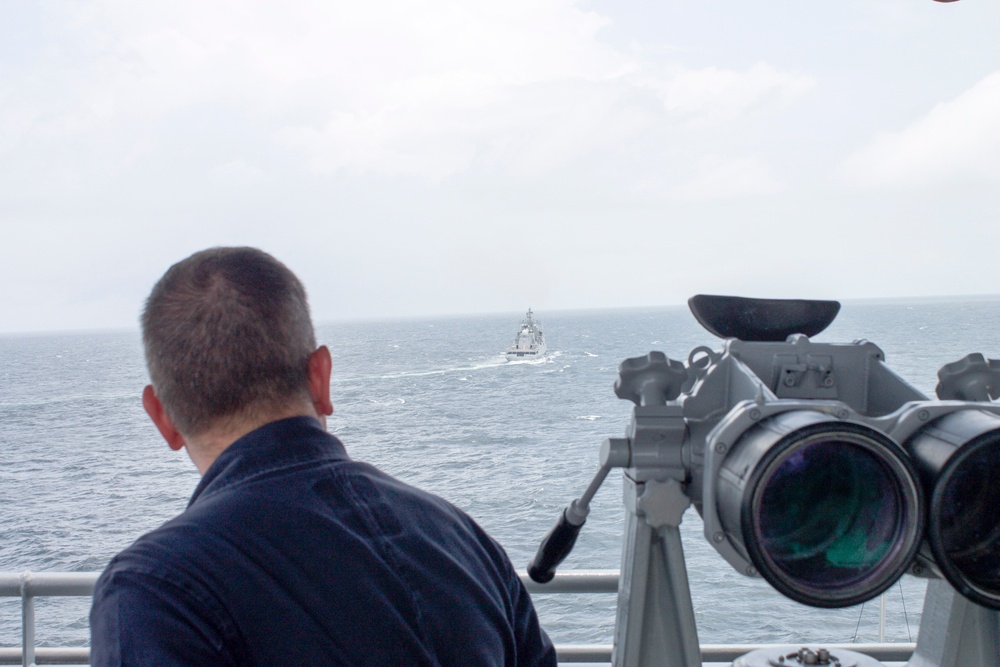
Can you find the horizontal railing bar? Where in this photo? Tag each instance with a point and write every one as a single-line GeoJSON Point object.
{"type": "Point", "coordinates": [729, 652]}
{"type": "Point", "coordinates": [47, 656]}
{"type": "Point", "coordinates": [576, 581]}
{"type": "Point", "coordinates": [82, 583]}
{"type": "Point", "coordinates": [567, 653]}
{"type": "Point", "coordinates": [583, 653]}
{"type": "Point", "coordinates": [41, 584]}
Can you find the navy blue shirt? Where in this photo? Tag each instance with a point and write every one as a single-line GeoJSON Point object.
{"type": "Point", "coordinates": [289, 553]}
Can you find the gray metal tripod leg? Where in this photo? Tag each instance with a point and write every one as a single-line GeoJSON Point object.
{"type": "Point", "coordinates": [655, 621]}
{"type": "Point", "coordinates": [955, 632]}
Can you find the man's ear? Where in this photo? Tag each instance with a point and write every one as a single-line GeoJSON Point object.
{"type": "Point", "coordinates": [320, 367]}
{"type": "Point", "coordinates": [151, 402]}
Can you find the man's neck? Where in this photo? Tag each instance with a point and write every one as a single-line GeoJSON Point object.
{"type": "Point", "coordinates": [207, 446]}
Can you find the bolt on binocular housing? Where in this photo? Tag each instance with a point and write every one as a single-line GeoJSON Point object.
{"type": "Point", "coordinates": [813, 465]}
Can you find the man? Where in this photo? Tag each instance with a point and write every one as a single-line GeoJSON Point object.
{"type": "Point", "coordinates": [289, 553]}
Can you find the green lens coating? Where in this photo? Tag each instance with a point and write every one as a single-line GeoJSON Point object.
{"type": "Point", "coordinates": [829, 513]}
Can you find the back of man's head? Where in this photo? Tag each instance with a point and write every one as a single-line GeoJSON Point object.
{"type": "Point", "coordinates": [227, 336]}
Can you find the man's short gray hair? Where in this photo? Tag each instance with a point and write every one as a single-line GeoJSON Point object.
{"type": "Point", "coordinates": [227, 334]}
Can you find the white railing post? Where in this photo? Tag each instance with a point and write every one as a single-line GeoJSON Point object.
{"type": "Point", "coordinates": [27, 622]}
{"type": "Point", "coordinates": [881, 619]}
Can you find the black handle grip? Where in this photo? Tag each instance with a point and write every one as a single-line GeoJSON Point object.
{"type": "Point", "coordinates": [553, 550]}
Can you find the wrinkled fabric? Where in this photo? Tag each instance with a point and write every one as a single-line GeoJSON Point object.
{"type": "Point", "coordinates": [291, 553]}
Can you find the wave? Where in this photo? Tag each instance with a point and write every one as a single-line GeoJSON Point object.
{"type": "Point", "coordinates": [465, 368]}
{"type": "Point", "coordinates": [547, 358]}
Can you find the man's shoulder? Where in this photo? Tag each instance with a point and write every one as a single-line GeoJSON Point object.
{"type": "Point", "coordinates": [332, 507]}
{"type": "Point", "coordinates": [374, 487]}
{"type": "Point", "coordinates": [156, 554]}
{"type": "Point", "coordinates": [424, 513]}
{"type": "Point", "coordinates": [150, 606]}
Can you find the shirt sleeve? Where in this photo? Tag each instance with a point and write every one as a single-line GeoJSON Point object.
{"type": "Point", "coordinates": [139, 619]}
{"type": "Point", "coordinates": [534, 648]}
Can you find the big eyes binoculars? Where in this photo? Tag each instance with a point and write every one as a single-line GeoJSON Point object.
{"type": "Point", "coordinates": [812, 465]}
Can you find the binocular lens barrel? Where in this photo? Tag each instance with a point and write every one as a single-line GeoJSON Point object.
{"type": "Point", "coordinates": [959, 460]}
{"type": "Point", "coordinates": [829, 512]}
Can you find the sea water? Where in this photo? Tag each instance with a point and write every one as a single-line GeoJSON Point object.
{"type": "Point", "coordinates": [435, 403]}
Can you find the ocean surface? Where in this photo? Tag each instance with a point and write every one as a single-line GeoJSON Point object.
{"type": "Point", "coordinates": [434, 402]}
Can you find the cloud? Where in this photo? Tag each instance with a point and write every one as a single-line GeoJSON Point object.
{"type": "Point", "coordinates": [720, 94]}
{"type": "Point", "coordinates": [235, 173]}
{"type": "Point", "coordinates": [390, 88]}
{"type": "Point", "coordinates": [726, 178]}
{"type": "Point", "coordinates": [956, 141]}
{"type": "Point", "coordinates": [372, 143]}
{"type": "Point", "coordinates": [527, 132]}
{"type": "Point", "coordinates": [540, 120]}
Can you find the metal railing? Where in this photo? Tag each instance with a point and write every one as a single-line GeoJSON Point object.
{"type": "Point", "coordinates": [31, 585]}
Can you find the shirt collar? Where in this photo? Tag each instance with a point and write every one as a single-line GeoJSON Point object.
{"type": "Point", "coordinates": [272, 446]}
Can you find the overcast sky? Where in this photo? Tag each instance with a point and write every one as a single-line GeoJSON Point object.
{"type": "Point", "coordinates": [449, 157]}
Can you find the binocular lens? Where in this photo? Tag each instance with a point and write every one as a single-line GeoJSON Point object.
{"type": "Point", "coordinates": [965, 521]}
{"type": "Point", "coordinates": [830, 512]}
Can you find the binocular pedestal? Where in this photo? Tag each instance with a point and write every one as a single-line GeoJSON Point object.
{"type": "Point", "coordinates": [655, 620]}
{"type": "Point", "coordinates": [955, 632]}
{"type": "Point", "coordinates": [655, 624]}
